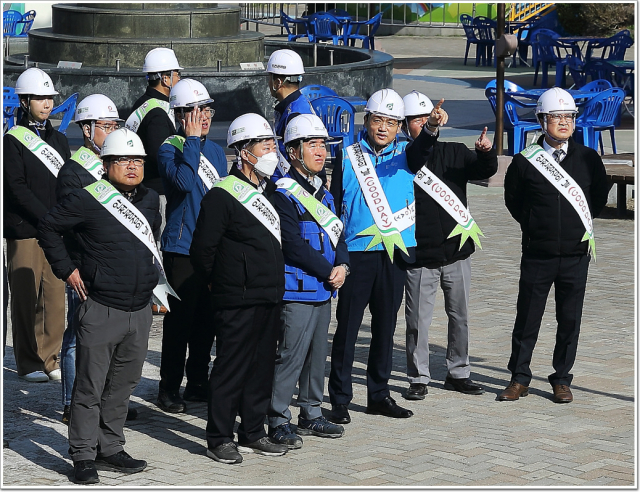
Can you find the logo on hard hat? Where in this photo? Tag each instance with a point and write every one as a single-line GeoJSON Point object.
{"type": "Point", "coordinates": [423, 104]}
{"type": "Point", "coordinates": [82, 110]}
{"type": "Point", "coordinates": [561, 102]}
{"type": "Point", "coordinates": [110, 108]}
{"type": "Point", "coordinates": [266, 126]}
{"type": "Point", "coordinates": [130, 143]}
{"type": "Point", "coordinates": [274, 65]}
{"type": "Point", "coordinates": [390, 106]}
{"type": "Point", "coordinates": [237, 130]}
{"type": "Point", "coordinates": [46, 84]}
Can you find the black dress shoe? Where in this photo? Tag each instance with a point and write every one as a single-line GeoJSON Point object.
{"type": "Point", "coordinates": [339, 414]}
{"type": "Point", "coordinates": [196, 392]}
{"type": "Point", "coordinates": [465, 386]}
{"type": "Point", "coordinates": [120, 462]}
{"type": "Point", "coordinates": [416, 391]}
{"type": "Point", "coordinates": [389, 408]}
{"type": "Point", "coordinates": [170, 402]}
{"type": "Point", "coordinates": [84, 472]}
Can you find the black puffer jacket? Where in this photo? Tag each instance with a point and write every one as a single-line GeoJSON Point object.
{"type": "Point", "coordinates": [29, 186]}
{"type": "Point", "coordinates": [154, 129]}
{"type": "Point", "coordinates": [455, 164]}
{"type": "Point", "coordinates": [116, 267]}
{"type": "Point", "coordinates": [235, 253]}
{"type": "Point", "coordinates": [550, 225]}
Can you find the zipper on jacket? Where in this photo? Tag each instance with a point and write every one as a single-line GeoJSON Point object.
{"type": "Point", "coordinates": [184, 210]}
{"type": "Point", "coordinates": [246, 274]}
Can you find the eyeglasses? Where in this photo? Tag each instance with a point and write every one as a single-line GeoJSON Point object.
{"type": "Point", "coordinates": [557, 117]}
{"type": "Point", "coordinates": [379, 122]}
{"type": "Point", "coordinates": [125, 161]}
{"type": "Point", "coordinates": [208, 112]}
{"type": "Point", "coordinates": [108, 128]}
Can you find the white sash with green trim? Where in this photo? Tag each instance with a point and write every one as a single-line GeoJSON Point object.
{"type": "Point", "coordinates": [129, 216]}
{"type": "Point", "coordinates": [449, 201]}
{"type": "Point", "coordinates": [387, 227]}
{"type": "Point", "coordinates": [89, 161]}
{"type": "Point", "coordinates": [206, 171]}
{"type": "Point", "coordinates": [41, 149]}
{"type": "Point", "coordinates": [320, 213]}
{"type": "Point", "coordinates": [133, 122]}
{"type": "Point", "coordinates": [567, 187]}
{"type": "Point", "coordinates": [254, 201]}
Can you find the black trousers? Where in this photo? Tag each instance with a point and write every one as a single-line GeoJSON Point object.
{"type": "Point", "coordinates": [242, 375]}
{"type": "Point", "coordinates": [189, 322]}
{"type": "Point", "coordinates": [569, 276]}
{"type": "Point", "coordinates": [377, 282]}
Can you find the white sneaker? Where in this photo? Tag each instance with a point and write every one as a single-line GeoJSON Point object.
{"type": "Point", "coordinates": [55, 375]}
{"type": "Point", "coordinates": [35, 377]}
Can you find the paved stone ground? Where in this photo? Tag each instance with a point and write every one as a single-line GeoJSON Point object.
{"type": "Point", "coordinates": [453, 439]}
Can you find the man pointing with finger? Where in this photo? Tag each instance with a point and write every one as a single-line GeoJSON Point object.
{"type": "Point", "coordinates": [445, 236]}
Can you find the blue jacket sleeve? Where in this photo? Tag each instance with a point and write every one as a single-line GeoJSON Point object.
{"type": "Point", "coordinates": [180, 169]}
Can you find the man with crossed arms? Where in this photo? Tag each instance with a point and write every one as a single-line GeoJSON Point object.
{"type": "Point", "coordinates": [553, 188]}
{"type": "Point", "coordinates": [445, 236]}
{"type": "Point", "coordinates": [373, 191]}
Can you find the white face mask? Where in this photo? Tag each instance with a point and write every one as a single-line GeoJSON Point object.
{"type": "Point", "coordinates": [266, 164]}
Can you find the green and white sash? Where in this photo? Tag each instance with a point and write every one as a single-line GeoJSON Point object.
{"type": "Point", "coordinates": [567, 187]}
{"type": "Point", "coordinates": [254, 201]}
{"type": "Point", "coordinates": [133, 122]}
{"type": "Point", "coordinates": [206, 171]}
{"type": "Point", "coordinates": [320, 213]}
{"type": "Point", "coordinates": [89, 161]}
{"type": "Point", "coordinates": [129, 216]}
{"type": "Point", "coordinates": [388, 226]}
{"type": "Point", "coordinates": [41, 149]}
{"type": "Point", "coordinates": [449, 201]}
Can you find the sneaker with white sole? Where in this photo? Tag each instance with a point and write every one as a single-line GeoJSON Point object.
{"type": "Point", "coordinates": [35, 377]}
{"type": "Point", "coordinates": [264, 446]}
{"type": "Point", "coordinates": [55, 375]}
{"type": "Point", "coordinates": [284, 434]}
{"type": "Point", "coordinates": [225, 453]}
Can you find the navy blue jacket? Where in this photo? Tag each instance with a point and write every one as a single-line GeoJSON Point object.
{"type": "Point", "coordinates": [291, 106]}
{"type": "Point", "coordinates": [184, 188]}
{"type": "Point", "coordinates": [308, 253]}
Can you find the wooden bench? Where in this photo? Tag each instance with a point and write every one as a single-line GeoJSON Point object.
{"type": "Point", "coordinates": [620, 175]}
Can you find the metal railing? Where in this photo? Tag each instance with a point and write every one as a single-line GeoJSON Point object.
{"type": "Point", "coordinates": [524, 11]}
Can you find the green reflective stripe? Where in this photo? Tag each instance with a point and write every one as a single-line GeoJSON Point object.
{"type": "Point", "coordinates": [86, 159]}
{"type": "Point", "coordinates": [45, 153]}
{"type": "Point", "coordinates": [102, 190]}
{"type": "Point", "coordinates": [321, 214]}
{"type": "Point", "coordinates": [29, 139]}
{"type": "Point", "coordinates": [177, 141]}
{"type": "Point", "coordinates": [147, 106]}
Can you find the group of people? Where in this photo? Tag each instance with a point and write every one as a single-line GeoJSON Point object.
{"type": "Point", "coordinates": [253, 254]}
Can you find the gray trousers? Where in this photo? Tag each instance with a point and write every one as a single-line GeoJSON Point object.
{"type": "Point", "coordinates": [111, 347]}
{"type": "Point", "coordinates": [421, 288]}
{"type": "Point", "coordinates": [302, 353]}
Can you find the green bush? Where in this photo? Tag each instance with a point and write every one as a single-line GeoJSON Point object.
{"type": "Point", "coordinates": [595, 19]}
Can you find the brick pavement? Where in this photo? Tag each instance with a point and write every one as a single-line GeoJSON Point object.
{"type": "Point", "coordinates": [453, 439]}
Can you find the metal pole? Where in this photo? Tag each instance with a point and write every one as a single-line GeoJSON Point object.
{"type": "Point", "coordinates": [331, 57]}
{"type": "Point", "coordinates": [117, 64]}
{"type": "Point", "coordinates": [219, 65]}
{"type": "Point", "coordinates": [315, 54]}
{"type": "Point", "coordinates": [499, 84]}
{"type": "Point", "coordinates": [26, 61]}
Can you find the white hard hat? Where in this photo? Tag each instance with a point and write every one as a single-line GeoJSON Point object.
{"type": "Point", "coordinates": [416, 104]}
{"type": "Point", "coordinates": [35, 82]}
{"type": "Point", "coordinates": [96, 107]}
{"type": "Point", "coordinates": [188, 93]}
{"type": "Point", "coordinates": [247, 127]}
{"type": "Point", "coordinates": [386, 102]}
{"type": "Point", "coordinates": [305, 126]}
{"type": "Point", "coordinates": [285, 62]}
{"type": "Point", "coordinates": [160, 60]}
{"type": "Point", "coordinates": [122, 142]}
{"type": "Point", "coordinates": [556, 100]}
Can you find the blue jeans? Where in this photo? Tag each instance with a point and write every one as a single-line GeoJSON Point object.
{"type": "Point", "coordinates": [68, 351]}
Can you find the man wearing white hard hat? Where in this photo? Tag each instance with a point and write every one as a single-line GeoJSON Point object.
{"type": "Point", "coordinates": [189, 165]}
{"type": "Point", "coordinates": [33, 153]}
{"type": "Point", "coordinates": [373, 191]}
{"type": "Point", "coordinates": [553, 189]}
{"type": "Point", "coordinates": [97, 116]}
{"type": "Point", "coordinates": [115, 221]}
{"type": "Point", "coordinates": [285, 69]}
{"type": "Point", "coordinates": [445, 235]}
{"type": "Point", "coordinates": [316, 264]}
{"type": "Point", "coordinates": [236, 249]}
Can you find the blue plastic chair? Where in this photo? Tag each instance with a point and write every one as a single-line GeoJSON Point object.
{"type": "Point", "coordinates": [613, 48]}
{"type": "Point", "coordinates": [338, 117]}
{"type": "Point", "coordinates": [596, 86]}
{"type": "Point", "coordinates": [290, 24]}
{"type": "Point", "coordinates": [68, 108]}
{"type": "Point", "coordinates": [10, 102]}
{"type": "Point", "coordinates": [24, 25]}
{"type": "Point", "coordinates": [10, 19]}
{"type": "Point", "coordinates": [515, 126]}
{"type": "Point", "coordinates": [576, 70]}
{"type": "Point", "coordinates": [470, 32]}
{"type": "Point", "coordinates": [352, 32]}
{"type": "Point", "coordinates": [552, 51]}
{"type": "Point", "coordinates": [485, 32]}
{"type": "Point", "coordinates": [324, 27]}
{"type": "Point", "coordinates": [600, 114]}
{"type": "Point", "coordinates": [600, 69]}
{"type": "Point", "coordinates": [315, 91]}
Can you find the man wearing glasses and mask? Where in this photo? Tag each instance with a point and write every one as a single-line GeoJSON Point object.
{"type": "Point", "coordinates": [189, 165]}
{"type": "Point", "coordinates": [554, 189]}
{"type": "Point", "coordinates": [115, 221]}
